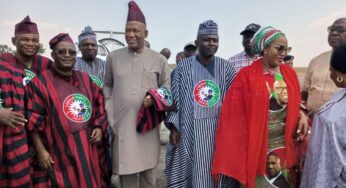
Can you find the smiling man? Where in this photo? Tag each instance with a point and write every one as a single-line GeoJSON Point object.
{"type": "Point", "coordinates": [318, 87]}
{"type": "Point", "coordinates": [26, 39]}
{"type": "Point", "coordinates": [274, 171]}
{"type": "Point", "coordinates": [130, 73]}
{"type": "Point", "coordinates": [199, 86]}
{"type": "Point", "coordinates": [89, 62]}
{"type": "Point", "coordinates": [67, 122]}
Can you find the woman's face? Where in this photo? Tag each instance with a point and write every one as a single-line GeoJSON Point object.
{"type": "Point", "coordinates": [275, 52]}
{"type": "Point", "coordinates": [333, 75]}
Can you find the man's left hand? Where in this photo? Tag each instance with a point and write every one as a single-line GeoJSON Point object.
{"type": "Point", "coordinates": [96, 136]}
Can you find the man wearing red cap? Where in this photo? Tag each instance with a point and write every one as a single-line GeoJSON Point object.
{"type": "Point", "coordinates": [67, 122]}
{"type": "Point", "coordinates": [130, 73]}
{"type": "Point", "coordinates": [14, 152]}
{"type": "Point", "coordinates": [26, 40]}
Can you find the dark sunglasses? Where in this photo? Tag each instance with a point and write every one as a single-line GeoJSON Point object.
{"type": "Point", "coordinates": [281, 48]}
{"type": "Point", "coordinates": [65, 51]}
{"type": "Point", "coordinates": [339, 30]}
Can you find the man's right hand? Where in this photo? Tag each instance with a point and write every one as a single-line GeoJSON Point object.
{"type": "Point", "coordinates": [174, 136]}
{"type": "Point", "coordinates": [44, 159]}
{"type": "Point", "coordinates": [11, 118]}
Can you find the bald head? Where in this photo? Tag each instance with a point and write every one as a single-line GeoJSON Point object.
{"type": "Point", "coordinates": [337, 33]}
{"type": "Point", "coordinates": [166, 52]}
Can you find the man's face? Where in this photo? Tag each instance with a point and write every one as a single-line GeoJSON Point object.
{"type": "Point", "coordinates": [190, 51]}
{"type": "Point", "coordinates": [27, 45]}
{"type": "Point", "coordinates": [247, 41]}
{"type": "Point", "coordinates": [64, 55]}
{"type": "Point", "coordinates": [135, 33]}
{"type": "Point", "coordinates": [337, 33]}
{"type": "Point", "coordinates": [289, 62]}
{"type": "Point", "coordinates": [88, 47]}
{"type": "Point", "coordinates": [207, 45]}
{"type": "Point", "coordinates": [179, 57]}
{"type": "Point", "coordinates": [273, 166]}
{"type": "Point", "coordinates": [280, 89]}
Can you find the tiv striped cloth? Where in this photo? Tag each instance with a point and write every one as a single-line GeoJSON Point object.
{"type": "Point", "coordinates": [151, 117]}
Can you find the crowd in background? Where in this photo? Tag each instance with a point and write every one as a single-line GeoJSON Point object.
{"type": "Point", "coordinates": [74, 121]}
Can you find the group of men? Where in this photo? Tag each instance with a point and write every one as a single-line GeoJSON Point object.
{"type": "Point", "coordinates": [72, 122]}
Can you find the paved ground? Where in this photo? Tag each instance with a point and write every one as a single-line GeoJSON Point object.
{"type": "Point", "coordinates": [161, 179]}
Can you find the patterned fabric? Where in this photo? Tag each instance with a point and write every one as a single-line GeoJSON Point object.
{"type": "Point", "coordinates": [227, 182]}
{"type": "Point", "coordinates": [26, 26]}
{"type": "Point", "coordinates": [151, 117]}
{"type": "Point", "coordinates": [87, 33]}
{"type": "Point", "coordinates": [65, 124]}
{"type": "Point", "coordinates": [39, 64]}
{"type": "Point", "coordinates": [276, 141]}
{"type": "Point", "coordinates": [135, 13]}
{"type": "Point", "coordinates": [241, 60]}
{"type": "Point", "coordinates": [60, 38]}
{"type": "Point", "coordinates": [95, 68]}
{"type": "Point", "coordinates": [276, 130]}
{"type": "Point", "coordinates": [325, 163]}
{"type": "Point", "coordinates": [208, 27]}
{"type": "Point", "coordinates": [263, 37]}
{"type": "Point", "coordinates": [189, 163]}
{"type": "Point", "coordinates": [14, 152]}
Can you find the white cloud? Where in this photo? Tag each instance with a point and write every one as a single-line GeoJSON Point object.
{"type": "Point", "coordinates": [328, 20]}
{"type": "Point", "coordinates": [48, 25]}
{"type": "Point", "coordinates": [42, 24]}
{"type": "Point", "coordinates": [8, 23]}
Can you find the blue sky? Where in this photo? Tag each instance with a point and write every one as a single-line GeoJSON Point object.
{"type": "Point", "coordinates": [173, 23]}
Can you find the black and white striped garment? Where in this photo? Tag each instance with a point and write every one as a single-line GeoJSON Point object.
{"type": "Point", "coordinates": [227, 182]}
{"type": "Point", "coordinates": [96, 68]}
{"type": "Point", "coordinates": [189, 163]}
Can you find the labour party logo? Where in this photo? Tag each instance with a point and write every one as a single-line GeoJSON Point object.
{"type": "Point", "coordinates": [77, 108]}
{"type": "Point", "coordinates": [164, 95]}
{"type": "Point", "coordinates": [28, 76]}
{"type": "Point", "coordinates": [206, 93]}
{"type": "Point", "coordinates": [96, 80]}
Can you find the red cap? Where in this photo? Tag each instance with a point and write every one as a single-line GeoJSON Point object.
{"type": "Point", "coordinates": [60, 38]}
{"type": "Point", "coordinates": [26, 26]}
{"type": "Point", "coordinates": [135, 13]}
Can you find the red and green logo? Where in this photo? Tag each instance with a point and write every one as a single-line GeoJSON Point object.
{"type": "Point", "coordinates": [28, 76]}
{"type": "Point", "coordinates": [164, 95]}
{"type": "Point", "coordinates": [77, 108]}
{"type": "Point", "coordinates": [206, 93]}
{"type": "Point", "coordinates": [96, 80]}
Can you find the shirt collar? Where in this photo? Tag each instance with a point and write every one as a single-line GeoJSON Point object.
{"type": "Point", "coordinates": [70, 79]}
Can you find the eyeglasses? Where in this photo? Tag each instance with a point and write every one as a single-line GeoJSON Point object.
{"type": "Point", "coordinates": [338, 29]}
{"type": "Point", "coordinates": [281, 48]}
{"type": "Point", "coordinates": [65, 51]}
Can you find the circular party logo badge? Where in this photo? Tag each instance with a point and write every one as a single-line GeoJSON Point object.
{"type": "Point", "coordinates": [206, 93]}
{"type": "Point", "coordinates": [164, 95]}
{"type": "Point", "coordinates": [77, 108]}
{"type": "Point", "coordinates": [28, 76]}
{"type": "Point", "coordinates": [96, 80]}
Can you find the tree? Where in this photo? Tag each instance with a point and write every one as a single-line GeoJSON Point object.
{"type": "Point", "coordinates": [5, 49]}
{"type": "Point", "coordinates": [41, 49]}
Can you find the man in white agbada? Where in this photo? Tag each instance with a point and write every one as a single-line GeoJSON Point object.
{"type": "Point", "coordinates": [130, 73]}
